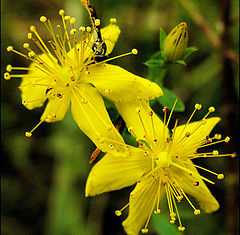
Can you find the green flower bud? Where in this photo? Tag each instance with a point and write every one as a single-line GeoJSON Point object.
{"type": "Point", "coordinates": [176, 43]}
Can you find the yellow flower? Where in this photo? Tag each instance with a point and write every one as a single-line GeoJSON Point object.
{"type": "Point", "coordinates": [176, 42]}
{"type": "Point", "coordinates": [68, 75]}
{"type": "Point", "coordinates": [161, 165]}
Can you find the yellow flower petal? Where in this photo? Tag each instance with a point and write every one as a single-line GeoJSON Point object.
{"type": "Point", "coordinates": [33, 96]}
{"type": "Point", "coordinates": [141, 122]}
{"type": "Point", "coordinates": [120, 85]}
{"type": "Point", "coordinates": [193, 142]}
{"type": "Point", "coordinates": [112, 173]}
{"type": "Point", "coordinates": [56, 108]}
{"type": "Point", "coordinates": [142, 200]}
{"type": "Point", "coordinates": [90, 114]}
{"type": "Point", "coordinates": [110, 36]}
{"type": "Point", "coordinates": [201, 193]}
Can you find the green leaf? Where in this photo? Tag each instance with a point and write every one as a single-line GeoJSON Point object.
{"type": "Point", "coordinates": [168, 100]}
{"type": "Point", "coordinates": [162, 37]}
{"type": "Point", "coordinates": [189, 51]}
{"type": "Point", "coordinates": [180, 62]}
{"type": "Point", "coordinates": [163, 227]}
{"type": "Point", "coordinates": [155, 63]}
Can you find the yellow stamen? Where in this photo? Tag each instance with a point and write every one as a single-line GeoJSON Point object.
{"type": "Point", "coordinates": [119, 212]}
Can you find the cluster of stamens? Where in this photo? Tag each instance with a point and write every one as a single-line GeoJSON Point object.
{"type": "Point", "coordinates": [64, 71]}
{"type": "Point", "coordinates": [161, 171]}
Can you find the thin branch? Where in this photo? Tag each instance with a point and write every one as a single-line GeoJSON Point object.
{"type": "Point", "coordinates": [210, 34]}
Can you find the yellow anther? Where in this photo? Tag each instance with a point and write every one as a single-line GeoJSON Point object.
{"type": "Point", "coordinates": [172, 214]}
{"type": "Point", "coordinates": [198, 106]}
{"type": "Point", "coordinates": [82, 28]}
{"type": "Point", "coordinates": [134, 51]}
{"type": "Point", "coordinates": [144, 230]}
{"type": "Point", "coordinates": [97, 22]}
{"type": "Point", "coordinates": [156, 212]}
{"type": "Point", "coordinates": [220, 176]}
{"type": "Point", "coordinates": [9, 48]}
{"type": "Point", "coordinates": [211, 109]}
{"type": "Point", "coordinates": [43, 19]}
{"type": "Point", "coordinates": [172, 221]}
{"type": "Point", "coordinates": [118, 213]}
{"type": "Point", "coordinates": [32, 28]}
{"type": "Point", "coordinates": [7, 76]}
{"type": "Point", "coordinates": [108, 91]}
{"type": "Point", "coordinates": [29, 36]}
{"type": "Point", "coordinates": [179, 198]}
{"type": "Point", "coordinates": [73, 31]}
{"type": "Point", "coordinates": [215, 152]}
{"type": "Point", "coordinates": [26, 45]}
{"type": "Point", "coordinates": [209, 140]}
{"type": "Point", "coordinates": [138, 110]}
{"type": "Point", "coordinates": [197, 212]}
{"type": "Point", "coordinates": [67, 17]}
{"type": "Point", "coordinates": [61, 12]}
{"type": "Point", "coordinates": [165, 109]}
{"type": "Point", "coordinates": [113, 20]}
{"type": "Point", "coordinates": [28, 134]}
{"type": "Point", "coordinates": [218, 136]}
{"type": "Point", "coordinates": [89, 29]}
{"type": "Point", "coordinates": [181, 228]}
{"type": "Point", "coordinates": [72, 20]}
{"type": "Point", "coordinates": [227, 139]}
{"type": "Point", "coordinates": [130, 129]}
{"type": "Point", "coordinates": [31, 53]}
{"type": "Point", "coordinates": [9, 68]}
{"type": "Point", "coordinates": [233, 155]}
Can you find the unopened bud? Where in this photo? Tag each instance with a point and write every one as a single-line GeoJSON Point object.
{"type": "Point", "coordinates": [176, 43]}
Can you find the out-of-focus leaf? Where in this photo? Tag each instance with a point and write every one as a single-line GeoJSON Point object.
{"type": "Point", "coordinates": [189, 51]}
{"type": "Point", "coordinates": [168, 100]}
{"type": "Point", "coordinates": [163, 227]}
{"type": "Point", "coordinates": [155, 63]}
{"type": "Point", "coordinates": [180, 62]}
{"type": "Point", "coordinates": [162, 37]}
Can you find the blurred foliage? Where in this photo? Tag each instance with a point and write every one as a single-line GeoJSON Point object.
{"type": "Point", "coordinates": [43, 178]}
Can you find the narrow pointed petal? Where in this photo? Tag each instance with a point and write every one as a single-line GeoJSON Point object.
{"type": "Point", "coordinates": [142, 202]}
{"type": "Point", "coordinates": [113, 173]}
{"type": "Point", "coordinates": [110, 36]}
{"type": "Point", "coordinates": [142, 123]}
{"type": "Point", "coordinates": [56, 108]}
{"type": "Point", "coordinates": [120, 85]}
{"type": "Point", "coordinates": [34, 96]}
{"type": "Point", "coordinates": [193, 142]}
{"type": "Point", "coordinates": [90, 114]}
{"type": "Point", "coordinates": [201, 193]}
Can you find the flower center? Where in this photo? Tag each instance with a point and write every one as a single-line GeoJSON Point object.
{"type": "Point", "coordinates": [163, 159]}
